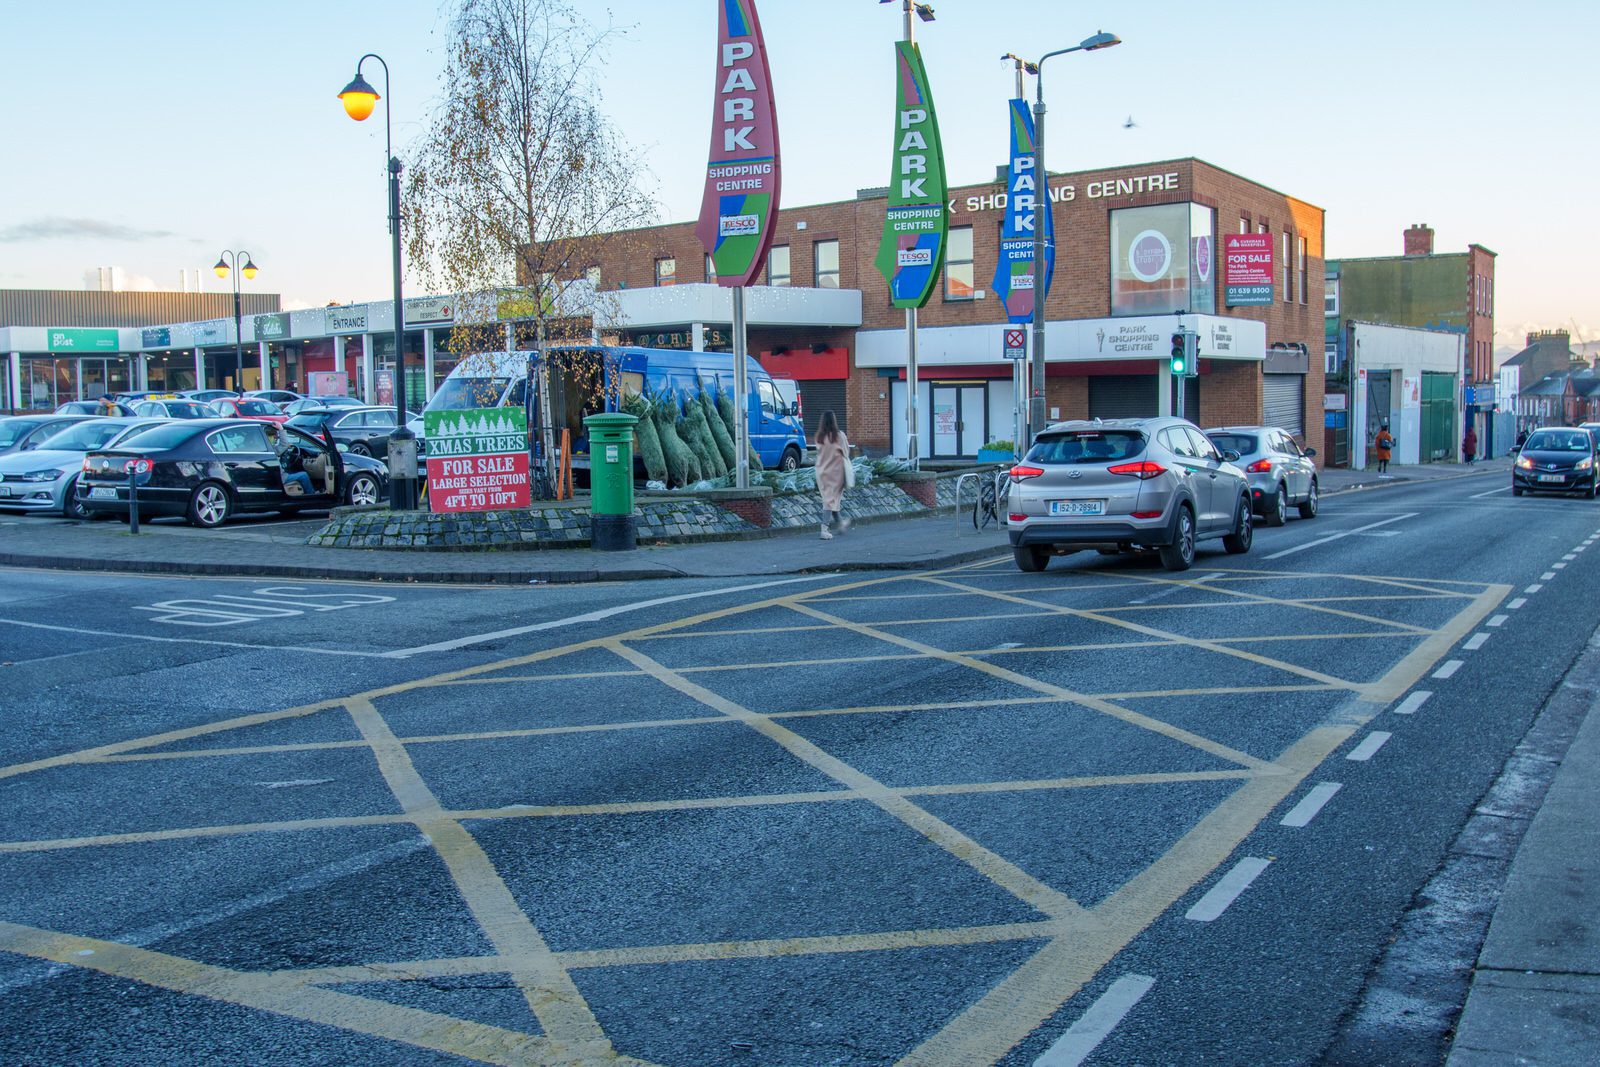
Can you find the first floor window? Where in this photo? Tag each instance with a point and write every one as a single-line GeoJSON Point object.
{"type": "Point", "coordinates": [958, 270]}
{"type": "Point", "coordinates": [711, 269]}
{"type": "Point", "coordinates": [827, 264]}
{"type": "Point", "coordinates": [666, 271]}
{"type": "Point", "coordinates": [778, 265]}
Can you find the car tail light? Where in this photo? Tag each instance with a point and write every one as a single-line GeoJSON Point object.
{"type": "Point", "coordinates": [1147, 514]}
{"type": "Point", "coordinates": [1260, 466]}
{"type": "Point", "coordinates": [1017, 518]}
{"type": "Point", "coordinates": [1022, 474]}
{"type": "Point", "coordinates": [1141, 470]}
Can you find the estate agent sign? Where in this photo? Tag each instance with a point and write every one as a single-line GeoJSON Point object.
{"type": "Point", "coordinates": [477, 459]}
{"type": "Point", "coordinates": [911, 253]}
{"type": "Point", "coordinates": [1247, 269]}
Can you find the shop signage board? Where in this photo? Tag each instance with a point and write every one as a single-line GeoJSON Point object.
{"type": "Point", "coordinates": [739, 209]}
{"type": "Point", "coordinates": [1014, 281]}
{"type": "Point", "coordinates": [428, 309]}
{"type": "Point", "coordinates": [1247, 269]}
{"type": "Point", "coordinates": [211, 333]}
{"type": "Point", "coordinates": [917, 223]}
{"type": "Point", "coordinates": [351, 319]}
{"type": "Point", "coordinates": [477, 459]}
{"type": "Point", "coordinates": [272, 327]}
{"type": "Point", "coordinates": [155, 337]}
{"type": "Point", "coordinates": [83, 340]}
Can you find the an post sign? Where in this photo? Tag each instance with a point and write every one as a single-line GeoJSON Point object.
{"type": "Point", "coordinates": [1247, 269]}
{"type": "Point", "coordinates": [1014, 275]}
{"type": "Point", "coordinates": [740, 208]}
{"type": "Point", "coordinates": [83, 340]}
{"type": "Point", "coordinates": [911, 253]}
{"type": "Point", "coordinates": [477, 459]}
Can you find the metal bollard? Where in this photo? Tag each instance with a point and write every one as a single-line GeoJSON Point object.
{"type": "Point", "coordinates": [133, 500]}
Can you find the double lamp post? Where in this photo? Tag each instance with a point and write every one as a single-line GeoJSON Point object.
{"type": "Point", "coordinates": [225, 266]}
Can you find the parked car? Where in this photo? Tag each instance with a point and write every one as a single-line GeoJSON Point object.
{"type": "Point", "coordinates": [46, 478]}
{"type": "Point", "coordinates": [93, 407]}
{"type": "Point", "coordinates": [1126, 485]}
{"type": "Point", "coordinates": [280, 397]}
{"type": "Point", "coordinates": [205, 396]}
{"type": "Point", "coordinates": [257, 408]}
{"type": "Point", "coordinates": [207, 471]}
{"type": "Point", "coordinates": [365, 430]}
{"type": "Point", "coordinates": [1556, 459]}
{"type": "Point", "coordinates": [175, 408]}
{"type": "Point", "coordinates": [24, 432]}
{"type": "Point", "coordinates": [1281, 473]}
{"type": "Point", "coordinates": [319, 403]}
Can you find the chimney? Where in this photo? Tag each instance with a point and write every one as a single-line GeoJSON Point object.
{"type": "Point", "coordinates": [1419, 240]}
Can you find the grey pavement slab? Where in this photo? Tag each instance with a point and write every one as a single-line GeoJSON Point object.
{"type": "Point", "coordinates": [1516, 1018]}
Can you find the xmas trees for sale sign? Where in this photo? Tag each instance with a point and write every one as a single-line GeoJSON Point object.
{"type": "Point", "coordinates": [477, 459]}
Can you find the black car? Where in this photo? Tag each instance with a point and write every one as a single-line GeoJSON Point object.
{"type": "Point", "coordinates": [94, 407]}
{"type": "Point", "coordinates": [323, 403]}
{"type": "Point", "coordinates": [208, 470]}
{"type": "Point", "coordinates": [1556, 459]}
{"type": "Point", "coordinates": [365, 430]}
{"type": "Point", "coordinates": [24, 432]}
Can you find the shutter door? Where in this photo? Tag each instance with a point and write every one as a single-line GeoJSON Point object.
{"type": "Point", "coordinates": [1122, 396]}
{"type": "Point", "coordinates": [819, 396]}
{"type": "Point", "coordinates": [1284, 402]}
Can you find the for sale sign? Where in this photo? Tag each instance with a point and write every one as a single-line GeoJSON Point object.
{"type": "Point", "coordinates": [477, 459]}
{"type": "Point", "coordinates": [1247, 269]}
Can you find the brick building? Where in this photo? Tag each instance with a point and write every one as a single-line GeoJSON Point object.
{"type": "Point", "coordinates": [825, 318]}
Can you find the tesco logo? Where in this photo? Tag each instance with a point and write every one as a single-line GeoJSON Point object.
{"type": "Point", "coordinates": [915, 257]}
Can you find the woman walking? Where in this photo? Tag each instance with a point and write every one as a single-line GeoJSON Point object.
{"type": "Point", "coordinates": [833, 473]}
{"type": "Point", "coordinates": [1384, 447]}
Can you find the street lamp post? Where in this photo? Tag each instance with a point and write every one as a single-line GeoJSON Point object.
{"type": "Point", "coordinates": [1041, 204]}
{"type": "Point", "coordinates": [359, 99]}
{"type": "Point", "coordinates": [225, 264]}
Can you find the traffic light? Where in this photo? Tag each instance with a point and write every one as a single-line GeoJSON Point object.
{"type": "Point", "coordinates": [1180, 355]}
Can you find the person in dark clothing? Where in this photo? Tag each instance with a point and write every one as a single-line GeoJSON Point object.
{"type": "Point", "coordinates": [1469, 444]}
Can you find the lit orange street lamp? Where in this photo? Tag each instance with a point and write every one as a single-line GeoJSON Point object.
{"type": "Point", "coordinates": [224, 267]}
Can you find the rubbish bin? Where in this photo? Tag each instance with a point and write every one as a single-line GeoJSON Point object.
{"type": "Point", "coordinates": [611, 482]}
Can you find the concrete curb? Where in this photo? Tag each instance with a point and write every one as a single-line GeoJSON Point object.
{"type": "Point", "coordinates": [1362, 487]}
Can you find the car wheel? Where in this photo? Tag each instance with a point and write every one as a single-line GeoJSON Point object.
{"type": "Point", "coordinates": [360, 449]}
{"type": "Point", "coordinates": [363, 491]}
{"type": "Point", "coordinates": [209, 505]}
{"type": "Point", "coordinates": [790, 461]}
{"type": "Point", "coordinates": [1244, 531]}
{"type": "Point", "coordinates": [71, 506]}
{"type": "Point", "coordinates": [1179, 556]}
{"type": "Point", "coordinates": [1308, 510]}
{"type": "Point", "coordinates": [1278, 510]}
{"type": "Point", "coordinates": [1516, 490]}
{"type": "Point", "coordinates": [1030, 558]}
{"type": "Point", "coordinates": [1594, 490]}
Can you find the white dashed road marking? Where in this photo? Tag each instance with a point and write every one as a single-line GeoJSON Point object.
{"type": "Point", "coordinates": [1497, 620]}
{"type": "Point", "coordinates": [1085, 1035]}
{"type": "Point", "coordinates": [1448, 670]}
{"type": "Point", "coordinates": [1533, 588]}
{"type": "Point", "coordinates": [1227, 891]}
{"type": "Point", "coordinates": [1303, 812]}
{"type": "Point", "coordinates": [1412, 703]}
{"type": "Point", "coordinates": [1517, 603]}
{"type": "Point", "coordinates": [1369, 748]}
{"type": "Point", "coordinates": [1475, 642]}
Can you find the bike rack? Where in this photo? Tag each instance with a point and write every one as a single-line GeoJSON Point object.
{"type": "Point", "coordinates": [976, 497]}
{"type": "Point", "coordinates": [998, 477]}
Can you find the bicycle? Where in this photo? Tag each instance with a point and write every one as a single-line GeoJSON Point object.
{"type": "Point", "coordinates": [990, 496]}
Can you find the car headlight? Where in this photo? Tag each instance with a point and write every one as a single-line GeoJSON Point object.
{"type": "Point", "coordinates": [1584, 464]}
{"type": "Point", "coordinates": [38, 476]}
{"type": "Point", "coordinates": [1525, 463]}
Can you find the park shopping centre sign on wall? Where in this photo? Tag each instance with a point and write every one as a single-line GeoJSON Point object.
{"type": "Point", "coordinates": [477, 459]}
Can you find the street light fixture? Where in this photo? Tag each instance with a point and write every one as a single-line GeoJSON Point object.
{"type": "Point", "coordinates": [1041, 204]}
{"type": "Point", "coordinates": [225, 264]}
{"type": "Point", "coordinates": [359, 99]}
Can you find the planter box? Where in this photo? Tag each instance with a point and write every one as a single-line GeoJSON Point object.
{"type": "Point", "coordinates": [987, 456]}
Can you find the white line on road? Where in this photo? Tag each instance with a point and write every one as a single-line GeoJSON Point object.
{"type": "Point", "coordinates": [1534, 588]}
{"type": "Point", "coordinates": [1492, 492]}
{"type": "Point", "coordinates": [1303, 812]}
{"type": "Point", "coordinates": [1476, 641]}
{"type": "Point", "coordinates": [1337, 536]}
{"type": "Point", "coordinates": [1558, 566]}
{"type": "Point", "coordinates": [1369, 748]}
{"type": "Point", "coordinates": [1096, 1024]}
{"type": "Point", "coordinates": [1411, 704]}
{"type": "Point", "coordinates": [1448, 670]}
{"type": "Point", "coordinates": [1227, 891]}
{"type": "Point", "coordinates": [1570, 556]}
{"type": "Point", "coordinates": [1547, 576]}
{"type": "Point", "coordinates": [1517, 603]}
{"type": "Point", "coordinates": [1497, 620]}
{"type": "Point", "coordinates": [593, 616]}
{"type": "Point", "coordinates": [192, 640]}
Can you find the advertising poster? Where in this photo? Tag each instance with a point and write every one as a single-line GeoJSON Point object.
{"type": "Point", "coordinates": [743, 177]}
{"type": "Point", "coordinates": [1014, 282]}
{"type": "Point", "coordinates": [917, 225]}
{"type": "Point", "coordinates": [1247, 269]}
{"type": "Point", "coordinates": [329, 383]}
{"type": "Point", "coordinates": [477, 459]}
{"type": "Point", "coordinates": [1150, 260]}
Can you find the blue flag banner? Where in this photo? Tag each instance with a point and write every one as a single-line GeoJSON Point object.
{"type": "Point", "coordinates": [1014, 277]}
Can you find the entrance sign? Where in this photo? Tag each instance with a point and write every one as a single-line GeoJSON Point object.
{"type": "Point", "coordinates": [477, 459]}
{"type": "Point", "coordinates": [1014, 281]}
{"type": "Point", "coordinates": [915, 229]}
{"type": "Point", "coordinates": [1247, 269]}
{"type": "Point", "coordinates": [739, 210]}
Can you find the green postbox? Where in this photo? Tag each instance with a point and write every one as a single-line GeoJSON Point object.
{"type": "Point", "coordinates": [611, 482]}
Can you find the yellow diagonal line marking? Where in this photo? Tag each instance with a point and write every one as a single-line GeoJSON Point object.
{"type": "Point", "coordinates": [1257, 598]}
{"type": "Point", "coordinates": [549, 990]}
{"type": "Point", "coordinates": [1001, 871]}
{"type": "Point", "coordinates": [1105, 707]}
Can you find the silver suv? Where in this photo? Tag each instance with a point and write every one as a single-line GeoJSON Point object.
{"type": "Point", "coordinates": [1280, 471]}
{"type": "Point", "coordinates": [1124, 485]}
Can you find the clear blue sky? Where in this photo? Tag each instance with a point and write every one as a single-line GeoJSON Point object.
{"type": "Point", "coordinates": [163, 133]}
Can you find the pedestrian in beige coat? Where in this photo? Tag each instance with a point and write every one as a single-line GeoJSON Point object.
{"type": "Point", "coordinates": [833, 473]}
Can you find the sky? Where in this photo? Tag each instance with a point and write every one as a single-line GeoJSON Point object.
{"type": "Point", "coordinates": [150, 137]}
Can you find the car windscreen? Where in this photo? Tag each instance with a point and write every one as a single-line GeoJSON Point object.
{"type": "Point", "coordinates": [13, 430]}
{"type": "Point", "coordinates": [83, 436]}
{"type": "Point", "coordinates": [310, 423]}
{"type": "Point", "coordinates": [462, 394]}
{"type": "Point", "coordinates": [159, 438]}
{"type": "Point", "coordinates": [1242, 443]}
{"type": "Point", "coordinates": [1563, 441]}
{"type": "Point", "coordinates": [1086, 447]}
{"type": "Point", "coordinates": [188, 409]}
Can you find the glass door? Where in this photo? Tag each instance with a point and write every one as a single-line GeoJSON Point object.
{"type": "Point", "coordinates": [974, 417]}
{"type": "Point", "coordinates": [946, 420]}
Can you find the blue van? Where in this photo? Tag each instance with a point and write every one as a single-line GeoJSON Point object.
{"type": "Point", "coordinates": [496, 379]}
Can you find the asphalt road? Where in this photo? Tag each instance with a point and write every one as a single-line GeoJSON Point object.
{"type": "Point", "coordinates": [1103, 814]}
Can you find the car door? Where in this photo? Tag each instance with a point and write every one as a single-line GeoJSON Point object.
{"type": "Point", "coordinates": [1221, 488]}
{"type": "Point", "coordinates": [768, 433]}
{"type": "Point", "coordinates": [1300, 464]}
{"type": "Point", "coordinates": [251, 465]}
{"type": "Point", "coordinates": [1191, 472]}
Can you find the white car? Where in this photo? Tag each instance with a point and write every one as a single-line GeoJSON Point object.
{"type": "Point", "coordinates": [44, 478]}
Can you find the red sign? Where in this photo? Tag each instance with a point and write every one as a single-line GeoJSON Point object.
{"type": "Point", "coordinates": [1247, 269]}
{"type": "Point", "coordinates": [478, 483]}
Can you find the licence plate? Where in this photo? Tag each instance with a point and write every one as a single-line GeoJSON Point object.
{"type": "Point", "coordinates": [5, 490]}
{"type": "Point", "coordinates": [1552, 478]}
{"type": "Point", "coordinates": [105, 493]}
{"type": "Point", "coordinates": [1077, 507]}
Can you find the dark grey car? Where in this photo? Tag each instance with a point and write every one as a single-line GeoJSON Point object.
{"type": "Point", "coordinates": [1281, 473]}
{"type": "Point", "coordinates": [1124, 485]}
{"type": "Point", "coordinates": [23, 432]}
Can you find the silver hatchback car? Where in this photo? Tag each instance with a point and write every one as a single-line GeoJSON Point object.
{"type": "Point", "coordinates": [1123, 485]}
{"type": "Point", "coordinates": [1281, 473]}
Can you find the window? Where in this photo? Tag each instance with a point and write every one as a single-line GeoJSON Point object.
{"type": "Point", "coordinates": [1300, 265]}
{"type": "Point", "coordinates": [667, 271]}
{"type": "Point", "coordinates": [1244, 225]}
{"type": "Point", "coordinates": [827, 264]}
{"type": "Point", "coordinates": [711, 270]}
{"type": "Point", "coordinates": [1162, 260]}
{"type": "Point", "coordinates": [1203, 448]}
{"type": "Point", "coordinates": [592, 276]}
{"type": "Point", "coordinates": [769, 398]}
{"type": "Point", "coordinates": [1288, 293]}
{"type": "Point", "coordinates": [239, 439]}
{"type": "Point", "coordinates": [958, 268]}
{"type": "Point", "coordinates": [1330, 297]}
{"type": "Point", "coordinates": [778, 265]}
